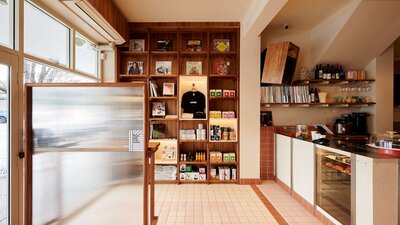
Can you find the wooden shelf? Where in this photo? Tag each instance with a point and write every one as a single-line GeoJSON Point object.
{"type": "Point", "coordinates": [223, 181]}
{"type": "Point", "coordinates": [228, 76]}
{"type": "Point", "coordinates": [223, 98]}
{"type": "Point", "coordinates": [224, 53]}
{"type": "Point", "coordinates": [166, 181]}
{"type": "Point", "coordinates": [163, 119]}
{"type": "Point", "coordinates": [163, 76]}
{"type": "Point", "coordinates": [223, 141]}
{"type": "Point", "coordinates": [194, 163]}
{"type": "Point", "coordinates": [317, 105]}
{"type": "Point", "coordinates": [133, 76]}
{"type": "Point", "coordinates": [194, 181]}
{"type": "Point", "coordinates": [164, 52]}
{"type": "Point", "coordinates": [164, 98]}
{"type": "Point", "coordinates": [327, 82]}
{"type": "Point", "coordinates": [223, 163]}
{"type": "Point", "coordinates": [193, 53]}
{"type": "Point", "coordinates": [134, 53]}
{"type": "Point", "coordinates": [193, 141]}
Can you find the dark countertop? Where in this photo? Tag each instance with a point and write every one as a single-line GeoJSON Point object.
{"type": "Point", "coordinates": [346, 146]}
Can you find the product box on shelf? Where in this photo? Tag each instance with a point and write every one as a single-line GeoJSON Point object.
{"type": "Point", "coordinates": [187, 134]}
{"type": "Point", "coordinates": [221, 173]}
{"type": "Point", "coordinates": [232, 157]}
{"type": "Point", "coordinates": [202, 170]}
{"type": "Point", "coordinates": [231, 114]}
{"type": "Point", "coordinates": [182, 176]}
{"type": "Point", "coordinates": [202, 176]}
{"type": "Point", "coordinates": [212, 93]}
{"type": "Point", "coordinates": [227, 157]}
{"type": "Point", "coordinates": [234, 174]}
{"type": "Point", "coordinates": [213, 173]}
{"type": "Point", "coordinates": [182, 167]}
{"type": "Point", "coordinates": [219, 156]}
{"type": "Point", "coordinates": [213, 156]}
{"type": "Point", "coordinates": [225, 114]}
{"type": "Point", "coordinates": [227, 173]}
{"type": "Point", "coordinates": [232, 93]}
{"type": "Point", "coordinates": [225, 93]}
{"type": "Point", "coordinates": [218, 92]}
{"type": "Point", "coordinates": [189, 168]}
{"type": "Point", "coordinates": [215, 114]}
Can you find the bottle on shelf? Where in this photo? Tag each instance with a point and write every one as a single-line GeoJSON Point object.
{"type": "Point", "coordinates": [337, 75]}
{"type": "Point", "coordinates": [325, 73]}
{"type": "Point", "coordinates": [316, 95]}
{"type": "Point", "coordinates": [328, 72]}
{"type": "Point", "coordinates": [312, 95]}
{"type": "Point", "coordinates": [341, 73]}
{"type": "Point", "coordinates": [320, 72]}
{"type": "Point", "coordinates": [316, 72]}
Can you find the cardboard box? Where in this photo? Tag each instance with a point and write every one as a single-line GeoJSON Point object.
{"type": "Point", "coordinates": [218, 92]}
{"type": "Point", "coordinates": [232, 93]}
{"type": "Point", "coordinates": [232, 157]}
{"type": "Point", "coordinates": [187, 176]}
{"type": "Point", "coordinates": [194, 176]}
{"type": "Point", "coordinates": [202, 170]}
{"type": "Point", "coordinates": [189, 168]}
{"type": "Point", "coordinates": [219, 156]}
{"type": "Point", "coordinates": [234, 174]}
{"type": "Point", "coordinates": [231, 114]}
{"type": "Point", "coordinates": [227, 157]}
{"type": "Point", "coordinates": [202, 176]}
{"type": "Point", "coordinates": [221, 173]}
{"type": "Point", "coordinates": [213, 173]}
{"type": "Point", "coordinates": [182, 176]}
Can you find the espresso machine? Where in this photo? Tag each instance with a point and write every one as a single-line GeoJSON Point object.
{"type": "Point", "coordinates": [352, 124]}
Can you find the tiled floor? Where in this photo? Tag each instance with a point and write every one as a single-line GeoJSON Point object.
{"type": "Point", "coordinates": [291, 210]}
{"type": "Point", "coordinates": [210, 204]}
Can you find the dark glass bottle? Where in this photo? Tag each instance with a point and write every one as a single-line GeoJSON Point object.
{"type": "Point", "coordinates": [321, 72]}
{"type": "Point", "coordinates": [316, 73]}
{"type": "Point", "coordinates": [328, 72]}
{"type": "Point", "coordinates": [341, 73]}
{"type": "Point", "coordinates": [316, 95]}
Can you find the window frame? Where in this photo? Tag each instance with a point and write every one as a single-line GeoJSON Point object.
{"type": "Point", "coordinates": [97, 73]}
{"type": "Point", "coordinates": [12, 29]}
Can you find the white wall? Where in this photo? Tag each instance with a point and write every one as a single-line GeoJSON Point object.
{"type": "Point", "coordinates": [249, 107]}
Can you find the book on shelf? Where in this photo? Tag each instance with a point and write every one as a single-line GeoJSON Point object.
{"type": "Point", "coordinates": [135, 67]}
{"type": "Point", "coordinates": [168, 89]}
{"type": "Point", "coordinates": [137, 45]}
{"type": "Point", "coordinates": [153, 89]}
{"type": "Point", "coordinates": [163, 67]}
{"type": "Point", "coordinates": [222, 66]}
{"type": "Point", "coordinates": [194, 68]}
{"type": "Point", "coordinates": [171, 117]}
{"type": "Point", "coordinates": [164, 45]}
{"type": "Point", "coordinates": [285, 94]}
{"type": "Point", "coordinates": [193, 45]}
{"type": "Point", "coordinates": [157, 131]}
{"type": "Point", "coordinates": [221, 45]}
{"type": "Point", "coordinates": [158, 109]}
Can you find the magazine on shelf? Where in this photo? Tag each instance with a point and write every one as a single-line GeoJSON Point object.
{"type": "Point", "coordinates": [157, 130]}
{"type": "Point", "coordinates": [194, 68]}
{"type": "Point", "coordinates": [193, 45]}
{"type": "Point", "coordinates": [135, 67]}
{"type": "Point", "coordinates": [163, 67]}
{"type": "Point", "coordinates": [158, 109]}
{"type": "Point", "coordinates": [222, 66]}
{"type": "Point", "coordinates": [137, 45]}
{"type": "Point", "coordinates": [164, 45]}
{"type": "Point", "coordinates": [221, 45]}
{"type": "Point", "coordinates": [153, 89]}
{"type": "Point", "coordinates": [169, 89]}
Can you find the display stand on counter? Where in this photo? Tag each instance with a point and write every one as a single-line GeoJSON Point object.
{"type": "Point", "coordinates": [192, 70]}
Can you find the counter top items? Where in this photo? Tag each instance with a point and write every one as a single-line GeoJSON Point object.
{"type": "Point", "coordinates": [266, 118]}
{"type": "Point", "coordinates": [386, 143]}
{"type": "Point", "coordinates": [301, 131]}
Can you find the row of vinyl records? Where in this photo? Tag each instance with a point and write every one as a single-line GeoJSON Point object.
{"type": "Point", "coordinates": [285, 94]}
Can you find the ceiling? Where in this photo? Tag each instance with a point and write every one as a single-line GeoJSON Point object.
{"type": "Point", "coordinates": [183, 10]}
{"type": "Point", "coordinates": [305, 14]}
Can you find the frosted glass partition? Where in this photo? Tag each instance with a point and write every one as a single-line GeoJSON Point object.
{"type": "Point", "coordinates": [88, 155]}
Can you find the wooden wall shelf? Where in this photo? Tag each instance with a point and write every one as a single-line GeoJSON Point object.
{"type": "Point", "coordinates": [317, 105]}
{"type": "Point", "coordinates": [179, 55]}
{"type": "Point", "coordinates": [332, 82]}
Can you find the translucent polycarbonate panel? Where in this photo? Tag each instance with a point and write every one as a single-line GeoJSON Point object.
{"type": "Point", "coordinates": [87, 166]}
{"type": "Point", "coordinates": [86, 55]}
{"type": "Point", "coordinates": [7, 23]}
{"type": "Point", "coordinates": [4, 146]}
{"type": "Point", "coordinates": [35, 72]}
{"type": "Point", "coordinates": [44, 36]}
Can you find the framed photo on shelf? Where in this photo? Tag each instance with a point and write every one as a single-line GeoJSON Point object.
{"type": "Point", "coordinates": [194, 68]}
{"type": "Point", "coordinates": [221, 67]}
{"type": "Point", "coordinates": [164, 67]}
{"type": "Point", "coordinates": [164, 45]}
{"type": "Point", "coordinates": [221, 45]}
{"type": "Point", "coordinates": [169, 89]}
{"type": "Point", "coordinates": [135, 67]}
{"type": "Point", "coordinates": [193, 45]}
{"type": "Point", "coordinates": [137, 45]}
{"type": "Point", "coordinates": [158, 109]}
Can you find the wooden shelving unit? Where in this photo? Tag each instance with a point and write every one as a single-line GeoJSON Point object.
{"type": "Point", "coordinates": [331, 82]}
{"type": "Point", "coordinates": [317, 105]}
{"type": "Point", "coordinates": [180, 33]}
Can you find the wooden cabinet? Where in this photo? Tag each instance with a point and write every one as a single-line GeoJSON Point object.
{"type": "Point", "coordinates": [303, 175]}
{"type": "Point", "coordinates": [280, 63]}
{"type": "Point", "coordinates": [181, 55]}
{"type": "Point", "coordinates": [283, 152]}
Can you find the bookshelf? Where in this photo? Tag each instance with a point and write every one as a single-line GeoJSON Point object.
{"type": "Point", "coordinates": [181, 56]}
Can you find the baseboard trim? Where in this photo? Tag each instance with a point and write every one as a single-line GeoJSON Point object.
{"type": "Point", "coordinates": [250, 181]}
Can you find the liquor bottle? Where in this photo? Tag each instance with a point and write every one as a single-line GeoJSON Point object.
{"type": "Point", "coordinates": [316, 72]}
{"type": "Point", "coordinates": [328, 72]}
{"type": "Point", "coordinates": [324, 73]}
{"type": "Point", "coordinates": [312, 95]}
{"type": "Point", "coordinates": [316, 95]}
{"type": "Point", "coordinates": [337, 75]}
{"type": "Point", "coordinates": [341, 73]}
{"type": "Point", "coordinates": [320, 72]}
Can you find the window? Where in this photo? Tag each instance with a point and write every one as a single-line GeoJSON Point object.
{"type": "Point", "coordinates": [7, 23]}
{"type": "Point", "coordinates": [39, 73]}
{"type": "Point", "coordinates": [86, 55]}
{"type": "Point", "coordinates": [44, 36]}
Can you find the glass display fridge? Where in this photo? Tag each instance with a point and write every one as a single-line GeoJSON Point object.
{"type": "Point", "coordinates": [334, 183]}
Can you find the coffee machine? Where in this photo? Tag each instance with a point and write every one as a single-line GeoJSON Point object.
{"type": "Point", "coordinates": [352, 124]}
